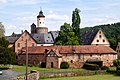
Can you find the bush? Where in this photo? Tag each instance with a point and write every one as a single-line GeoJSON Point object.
{"type": "Point", "coordinates": [118, 73]}
{"type": "Point", "coordinates": [64, 65]}
{"type": "Point", "coordinates": [104, 68]}
{"type": "Point", "coordinates": [118, 68]}
{"type": "Point", "coordinates": [30, 65]}
{"type": "Point", "coordinates": [91, 66]}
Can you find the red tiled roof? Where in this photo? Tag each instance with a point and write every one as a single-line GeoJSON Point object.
{"type": "Point", "coordinates": [72, 49]}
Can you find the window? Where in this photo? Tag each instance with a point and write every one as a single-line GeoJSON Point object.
{"type": "Point", "coordinates": [78, 56]}
{"type": "Point", "coordinates": [22, 38]}
{"type": "Point", "coordinates": [40, 22]}
{"type": "Point", "coordinates": [97, 40]}
{"type": "Point", "coordinates": [32, 44]}
{"type": "Point", "coordinates": [103, 40]}
{"type": "Point", "coordinates": [118, 47]}
{"type": "Point", "coordinates": [25, 34]}
{"type": "Point", "coordinates": [71, 61]}
{"type": "Point", "coordinates": [90, 55]}
{"type": "Point", "coordinates": [100, 32]}
{"type": "Point", "coordinates": [18, 44]}
{"type": "Point", "coordinates": [25, 45]}
{"type": "Point", "coordinates": [52, 54]}
{"type": "Point", "coordinates": [29, 38]}
{"type": "Point", "coordinates": [99, 36]}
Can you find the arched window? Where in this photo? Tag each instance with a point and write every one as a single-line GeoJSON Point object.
{"type": "Point", "coordinates": [71, 61]}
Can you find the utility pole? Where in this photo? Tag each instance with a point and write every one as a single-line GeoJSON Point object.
{"type": "Point", "coordinates": [26, 61]}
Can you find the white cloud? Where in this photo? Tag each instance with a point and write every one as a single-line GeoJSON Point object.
{"type": "Point", "coordinates": [100, 20]}
{"type": "Point", "coordinates": [10, 26]}
{"type": "Point", "coordinates": [3, 1]}
{"type": "Point", "coordinates": [26, 19]}
{"type": "Point", "coordinates": [58, 17]}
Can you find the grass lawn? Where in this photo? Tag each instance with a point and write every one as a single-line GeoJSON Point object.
{"type": "Point", "coordinates": [23, 68]}
{"type": "Point", "coordinates": [92, 77]}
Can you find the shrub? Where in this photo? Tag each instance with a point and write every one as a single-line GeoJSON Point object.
{"type": "Point", "coordinates": [30, 65]}
{"type": "Point", "coordinates": [64, 65]}
{"type": "Point", "coordinates": [118, 73]}
{"type": "Point", "coordinates": [104, 68]}
{"type": "Point", "coordinates": [118, 68]}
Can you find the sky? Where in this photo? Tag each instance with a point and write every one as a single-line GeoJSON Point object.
{"type": "Point", "coordinates": [17, 15]}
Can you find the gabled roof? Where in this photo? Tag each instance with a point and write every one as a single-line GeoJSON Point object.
{"type": "Point", "coordinates": [54, 34]}
{"type": "Point", "coordinates": [43, 38]}
{"type": "Point", "coordinates": [56, 52]}
{"type": "Point", "coordinates": [87, 37]}
{"type": "Point", "coordinates": [14, 37]}
{"type": "Point", "coordinates": [86, 49]}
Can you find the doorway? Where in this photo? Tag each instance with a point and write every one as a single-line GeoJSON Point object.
{"type": "Point", "coordinates": [51, 64]}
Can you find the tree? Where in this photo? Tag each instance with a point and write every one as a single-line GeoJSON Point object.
{"type": "Point", "coordinates": [4, 42]}
{"type": "Point", "coordinates": [7, 56]}
{"type": "Point", "coordinates": [76, 22]}
{"type": "Point", "coordinates": [66, 36]}
{"type": "Point", "coordinates": [2, 30]}
{"type": "Point", "coordinates": [70, 35]}
{"type": "Point", "coordinates": [116, 63]}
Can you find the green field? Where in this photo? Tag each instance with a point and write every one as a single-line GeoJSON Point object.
{"type": "Point", "coordinates": [93, 77]}
{"type": "Point", "coordinates": [23, 68]}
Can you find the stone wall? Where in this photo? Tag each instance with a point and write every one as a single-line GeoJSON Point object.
{"type": "Point", "coordinates": [32, 59]}
{"type": "Point", "coordinates": [52, 60]}
{"type": "Point", "coordinates": [32, 76]}
{"type": "Point", "coordinates": [68, 74]}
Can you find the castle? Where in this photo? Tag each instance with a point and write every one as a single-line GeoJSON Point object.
{"type": "Point", "coordinates": [41, 50]}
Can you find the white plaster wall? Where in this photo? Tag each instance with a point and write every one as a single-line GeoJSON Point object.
{"type": "Point", "coordinates": [41, 22]}
{"type": "Point", "coordinates": [44, 44]}
{"type": "Point", "coordinates": [97, 37]}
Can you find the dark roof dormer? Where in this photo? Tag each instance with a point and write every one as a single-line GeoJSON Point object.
{"type": "Point", "coordinates": [40, 14]}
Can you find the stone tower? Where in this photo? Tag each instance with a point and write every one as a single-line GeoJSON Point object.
{"type": "Point", "coordinates": [33, 28]}
{"type": "Point", "coordinates": [41, 28]}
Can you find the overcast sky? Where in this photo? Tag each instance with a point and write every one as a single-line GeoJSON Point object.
{"type": "Point", "coordinates": [17, 15]}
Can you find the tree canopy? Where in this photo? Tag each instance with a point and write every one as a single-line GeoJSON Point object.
{"type": "Point", "coordinates": [70, 34]}
{"type": "Point", "coordinates": [66, 36]}
{"type": "Point", "coordinates": [2, 30]}
{"type": "Point", "coordinates": [7, 56]}
{"type": "Point", "coordinates": [76, 21]}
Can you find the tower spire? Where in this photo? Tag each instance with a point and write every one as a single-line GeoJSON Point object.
{"type": "Point", "coordinates": [40, 8]}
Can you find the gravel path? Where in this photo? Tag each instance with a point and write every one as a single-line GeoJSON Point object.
{"type": "Point", "coordinates": [8, 74]}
